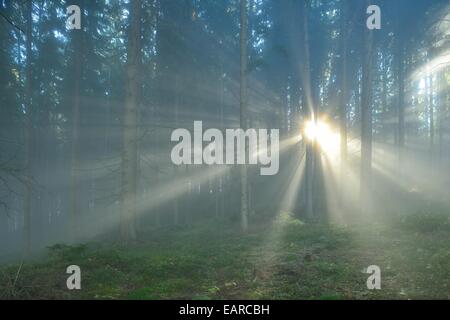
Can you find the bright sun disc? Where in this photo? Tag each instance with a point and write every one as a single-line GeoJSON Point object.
{"type": "Point", "coordinates": [321, 133]}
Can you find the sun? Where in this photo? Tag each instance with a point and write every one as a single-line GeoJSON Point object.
{"type": "Point", "coordinates": [321, 132]}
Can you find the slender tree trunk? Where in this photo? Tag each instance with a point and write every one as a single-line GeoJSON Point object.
{"type": "Point", "coordinates": [401, 94]}
{"type": "Point", "coordinates": [442, 102]}
{"type": "Point", "coordinates": [343, 96]}
{"type": "Point", "coordinates": [431, 113]}
{"type": "Point", "coordinates": [283, 109]}
{"type": "Point", "coordinates": [243, 110]}
{"type": "Point", "coordinates": [366, 121]}
{"type": "Point", "coordinates": [308, 110]}
{"type": "Point", "coordinates": [218, 181]}
{"type": "Point", "coordinates": [28, 130]}
{"type": "Point", "coordinates": [176, 218]}
{"type": "Point", "coordinates": [384, 99]}
{"type": "Point", "coordinates": [222, 127]}
{"type": "Point", "coordinates": [130, 131]}
{"type": "Point", "coordinates": [74, 209]}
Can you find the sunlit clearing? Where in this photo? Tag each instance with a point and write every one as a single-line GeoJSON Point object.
{"type": "Point", "coordinates": [321, 132]}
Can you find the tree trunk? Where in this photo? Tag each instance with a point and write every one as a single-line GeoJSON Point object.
{"type": "Point", "coordinates": [401, 93]}
{"type": "Point", "coordinates": [431, 113]}
{"type": "Point", "coordinates": [28, 131]}
{"type": "Point", "coordinates": [74, 209]}
{"type": "Point", "coordinates": [442, 104]}
{"type": "Point", "coordinates": [243, 110]}
{"type": "Point", "coordinates": [384, 101]}
{"type": "Point", "coordinates": [308, 110]}
{"type": "Point", "coordinates": [176, 218]}
{"type": "Point", "coordinates": [222, 178]}
{"type": "Point", "coordinates": [130, 136]}
{"type": "Point", "coordinates": [366, 121]}
{"type": "Point", "coordinates": [343, 96]}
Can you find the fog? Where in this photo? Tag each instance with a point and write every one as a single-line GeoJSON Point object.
{"type": "Point", "coordinates": [99, 136]}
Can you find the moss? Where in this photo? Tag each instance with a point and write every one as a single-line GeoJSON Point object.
{"type": "Point", "coordinates": [285, 260]}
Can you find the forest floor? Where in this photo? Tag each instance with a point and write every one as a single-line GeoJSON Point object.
{"type": "Point", "coordinates": [284, 259]}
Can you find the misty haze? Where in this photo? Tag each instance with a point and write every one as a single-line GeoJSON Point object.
{"type": "Point", "coordinates": [339, 190]}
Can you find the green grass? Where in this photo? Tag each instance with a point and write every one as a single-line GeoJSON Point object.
{"type": "Point", "coordinates": [284, 260]}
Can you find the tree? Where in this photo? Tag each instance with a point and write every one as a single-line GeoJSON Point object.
{"type": "Point", "coordinates": [366, 118]}
{"type": "Point", "coordinates": [243, 108]}
{"type": "Point", "coordinates": [400, 70]}
{"type": "Point", "coordinates": [344, 91]}
{"type": "Point", "coordinates": [78, 54]}
{"type": "Point", "coordinates": [308, 109]}
{"type": "Point", "coordinates": [28, 127]}
{"type": "Point", "coordinates": [130, 125]}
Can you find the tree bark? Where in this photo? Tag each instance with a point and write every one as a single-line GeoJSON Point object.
{"type": "Point", "coordinates": [176, 213]}
{"type": "Point", "coordinates": [441, 114]}
{"type": "Point", "coordinates": [130, 134]}
{"type": "Point", "coordinates": [243, 109]}
{"type": "Point", "coordinates": [366, 120]}
{"type": "Point", "coordinates": [401, 92]}
{"type": "Point", "coordinates": [74, 209]}
{"type": "Point", "coordinates": [308, 110]}
{"type": "Point", "coordinates": [28, 130]}
{"type": "Point", "coordinates": [431, 113]}
{"type": "Point", "coordinates": [343, 96]}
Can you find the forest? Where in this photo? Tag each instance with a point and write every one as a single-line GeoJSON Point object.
{"type": "Point", "coordinates": [233, 149]}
